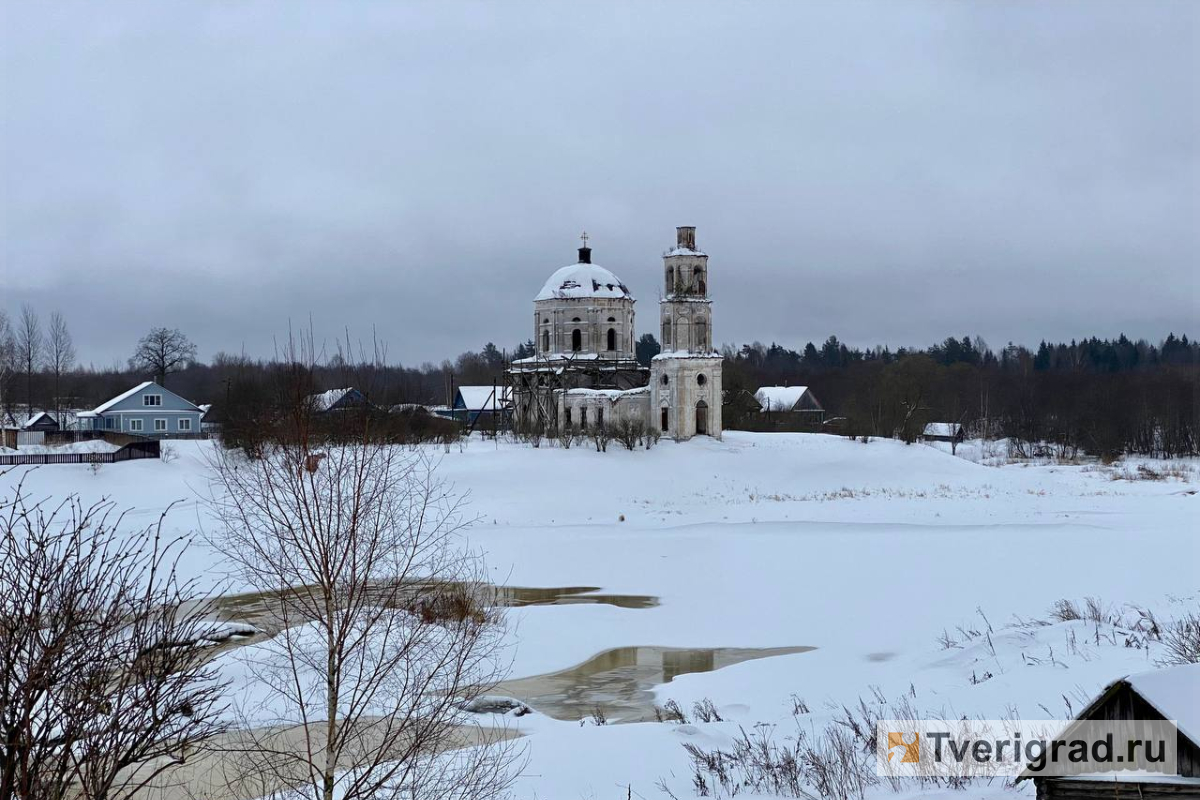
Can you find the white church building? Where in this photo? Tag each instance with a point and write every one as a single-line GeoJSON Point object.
{"type": "Point", "coordinates": [584, 372]}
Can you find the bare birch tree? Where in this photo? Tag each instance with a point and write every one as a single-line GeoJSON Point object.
{"type": "Point", "coordinates": [60, 355]}
{"type": "Point", "coordinates": [386, 627]}
{"type": "Point", "coordinates": [30, 346]}
{"type": "Point", "coordinates": [101, 689]}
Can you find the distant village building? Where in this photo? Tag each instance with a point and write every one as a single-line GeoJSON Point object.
{"type": "Point", "coordinates": [796, 403]}
{"type": "Point", "coordinates": [482, 405]}
{"type": "Point", "coordinates": [943, 432]}
{"type": "Point", "coordinates": [335, 400]}
{"type": "Point", "coordinates": [145, 410]}
{"type": "Point", "coordinates": [584, 372]}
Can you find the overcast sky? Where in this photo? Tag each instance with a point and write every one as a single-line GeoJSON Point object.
{"type": "Point", "coordinates": [888, 172]}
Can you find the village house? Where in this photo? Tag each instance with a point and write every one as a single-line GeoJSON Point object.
{"type": "Point", "coordinates": [145, 410]}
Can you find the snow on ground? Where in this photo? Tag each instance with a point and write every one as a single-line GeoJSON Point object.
{"type": "Point", "coordinates": [90, 446]}
{"type": "Point", "coordinates": [867, 552]}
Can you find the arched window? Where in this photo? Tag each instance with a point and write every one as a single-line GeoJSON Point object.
{"type": "Point", "coordinates": [576, 340]}
{"type": "Point", "coordinates": [665, 379]}
{"type": "Point", "coordinates": [670, 279]}
{"type": "Point", "coordinates": [612, 338]}
{"type": "Point", "coordinates": [701, 380]}
{"type": "Point", "coordinates": [701, 288]}
{"type": "Point", "coordinates": [545, 341]}
{"type": "Point", "coordinates": [702, 334]}
{"type": "Point", "coordinates": [701, 418]}
{"type": "Point", "coordinates": [666, 333]}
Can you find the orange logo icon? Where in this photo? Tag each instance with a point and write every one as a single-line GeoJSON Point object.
{"type": "Point", "coordinates": [912, 750]}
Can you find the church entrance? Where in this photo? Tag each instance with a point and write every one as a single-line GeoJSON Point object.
{"type": "Point", "coordinates": [702, 418]}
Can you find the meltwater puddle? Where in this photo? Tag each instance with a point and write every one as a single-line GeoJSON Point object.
{"type": "Point", "coordinates": [619, 682]}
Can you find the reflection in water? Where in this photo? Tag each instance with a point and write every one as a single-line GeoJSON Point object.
{"type": "Point", "coordinates": [619, 681]}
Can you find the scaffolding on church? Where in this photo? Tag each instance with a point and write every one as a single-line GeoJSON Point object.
{"type": "Point", "coordinates": [535, 383]}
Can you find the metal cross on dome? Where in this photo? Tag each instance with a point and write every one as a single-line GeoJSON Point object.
{"type": "Point", "coordinates": [583, 237]}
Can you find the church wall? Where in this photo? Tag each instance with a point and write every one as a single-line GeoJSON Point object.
{"type": "Point", "coordinates": [682, 391]}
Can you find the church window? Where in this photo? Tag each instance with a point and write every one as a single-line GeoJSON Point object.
{"type": "Point", "coordinates": [701, 380]}
{"type": "Point", "coordinates": [612, 339]}
{"type": "Point", "coordinates": [576, 340]}
{"type": "Point", "coordinates": [545, 341]}
{"type": "Point", "coordinates": [667, 333]}
{"type": "Point", "coordinates": [583, 418]}
{"type": "Point", "coordinates": [665, 379]}
{"type": "Point", "coordinates": [670, 279]}
{"type": "Point", "coordinates": [599, 417]}
{"type": "Point", "coordinates": [665, 418]}
{"type": "Point", "coordinates": [702, 334]}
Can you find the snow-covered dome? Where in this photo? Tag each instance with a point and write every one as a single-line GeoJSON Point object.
{"type": "Point", "coordinates": [583, 280]}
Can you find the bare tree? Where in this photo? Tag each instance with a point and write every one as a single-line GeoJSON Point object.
{"type": "Point", "coordinates": [387, 628]}
{"type": "Point", "coordinates": [30, 345]}
{"type": "Point", "coordinates": [161, 352]}
{"type": "Point", "coordinates": [8, 366]}
{"type": "Point", "coordinates": [101, 689]}
{"type": "Point", "coordinates": [60, 355]}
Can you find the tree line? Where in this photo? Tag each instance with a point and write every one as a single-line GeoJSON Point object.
{"type": "Point", "coordinates": [1099, 396]}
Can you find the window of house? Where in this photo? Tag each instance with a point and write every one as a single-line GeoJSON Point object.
{"type": "Point", "coordinates": [135, 424]}
{"type": "Point", "coordinates": [108, 423]}
{"type": "Point", "coordinates": [152, 399]}
{"type": "Point", "coordinates": [185, 424]}
{"type": "Point", "coordinates": [160, 424]}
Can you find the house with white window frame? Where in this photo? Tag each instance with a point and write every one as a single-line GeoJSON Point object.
{"type": "Point", "coordinates": [145, 410]}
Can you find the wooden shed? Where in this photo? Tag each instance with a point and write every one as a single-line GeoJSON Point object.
{"type": "Point", "coordinates": [1165, 694]}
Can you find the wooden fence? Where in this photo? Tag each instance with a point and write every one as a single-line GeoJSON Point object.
{"type": "Point", "coordinates": [130, 452]}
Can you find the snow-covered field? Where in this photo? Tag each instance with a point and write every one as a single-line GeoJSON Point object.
{"type": "Point", "coordinates": [866, 552]}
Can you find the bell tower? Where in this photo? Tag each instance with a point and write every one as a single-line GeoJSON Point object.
{"type": "Point", "coordinates": [685, 378]}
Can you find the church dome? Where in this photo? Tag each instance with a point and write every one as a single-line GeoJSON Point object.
{"type": "Point", "coordinates": [583, 280]}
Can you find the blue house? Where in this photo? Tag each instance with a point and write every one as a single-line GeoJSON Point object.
{"type": "Point", "coordinates": [145, 410]}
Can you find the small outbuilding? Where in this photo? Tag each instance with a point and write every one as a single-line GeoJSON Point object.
{"type": "Point", "coordinates": [1173, 694]}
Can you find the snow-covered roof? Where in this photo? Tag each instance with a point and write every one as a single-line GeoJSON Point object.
{"type": "Point", "coordinates": [685, 251]}
{"type": "Point", "coordinates": [1175, 693]}
{"type": "Point", "coordinates": [479, 398]}
{"type": "Point", "coordinates": [779, 398]}
{"type": "Point", "coordinates": [943, 429]}
{"type": "Point", "coordinates": [327, 400]}
{"type": "Point", "coordinates": [29, 423]}
{"type": "Point", "coordinates": [665, 354]}
{"type": "Point", "coordinates": [611, 394]}
{"type": "Point", "coordinates": [582, 281]}
{"type": "Point", "coordinates": [100, 409]}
